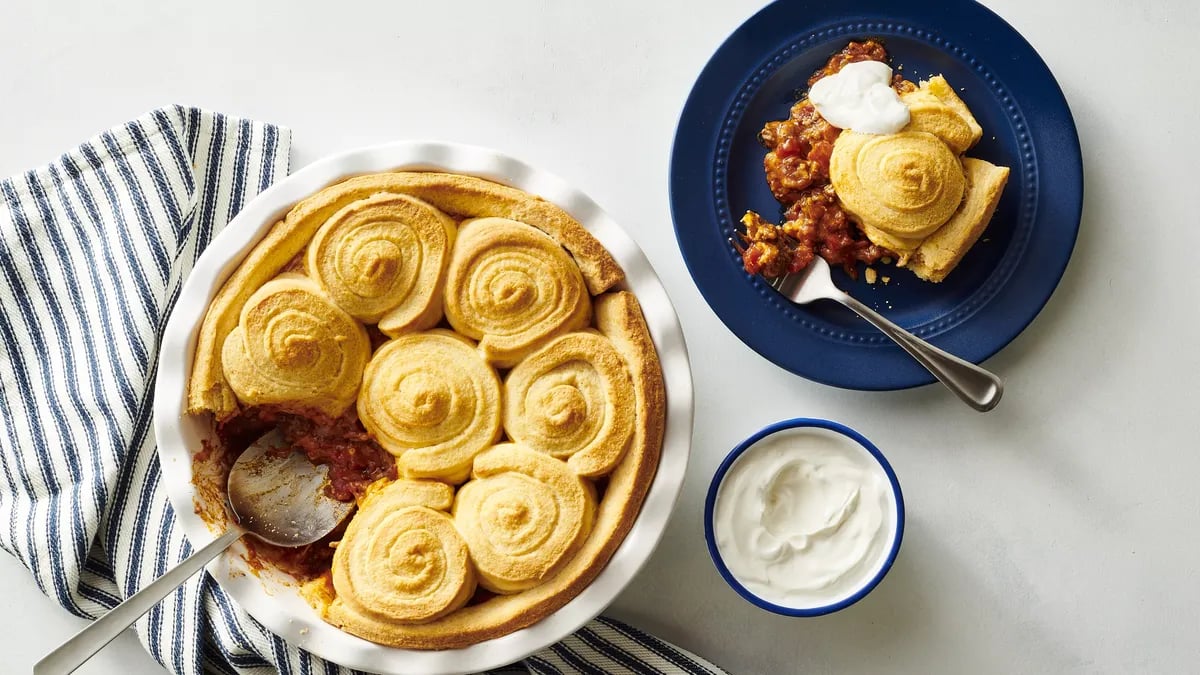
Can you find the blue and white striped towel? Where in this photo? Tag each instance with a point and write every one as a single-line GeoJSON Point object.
{"type": "Point", "coordinates": [94, 248]}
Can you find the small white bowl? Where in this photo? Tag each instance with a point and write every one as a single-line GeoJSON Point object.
{"type": "Point", "coordinates": [876, 570]}
{"type": "Point", "coordinates": [271, 597]}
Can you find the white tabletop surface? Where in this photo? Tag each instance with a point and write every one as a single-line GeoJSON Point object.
{"type": "Point", "coordinates": [1058, 533]}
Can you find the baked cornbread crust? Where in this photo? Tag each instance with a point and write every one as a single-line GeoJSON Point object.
{"type": "Point", "coordinates": [618, 317]}
{"type": "Point", "coordinates": [936, 109]}
{"type": "Point", "coordinates": [551, 397]}
{"type": "Point", "coordinates": [907, 184]}
{"type": "Point", "coordinates": [430, 400]}
{"type": "Point", "coordinates": [333, 349]}
{"type": "Point", "coordinates": [512, 288]}
{"type": "Point", "coordinates": [512, 553]}
{"type": "Point", "coordinates": [462, 196]}
{"type": "Point", "coordinates": [941, 251]}
{"type": "Point", "coordinates": [398, 297]}
{"type": "Point", "coordinates": [384, 520]}
{"type": "Point", "coordinates": [413, 534]}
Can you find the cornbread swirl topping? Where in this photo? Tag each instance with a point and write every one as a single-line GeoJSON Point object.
{"type": "Point", "coordinates": [512, 288]}
{"type": "Point", "coordinates": [383, 260]}
{"type": "Point", "coordinates": [930, 114]}
{"type": "Point", "coordinates": [293, 345]}
{"type": "Point", "coordinates": [574, 400]}
{"type": "Point", "coordinates": [475, 284]}
{"type": "Point", "coordinates": [429, 399]}
{"type": "Point", "coordinates": [907, 184]}
{"type": "Point", "coordinates": [523, 515]}
{"type": "Point", "coordinates": [401, 558]}
{"type": "Point", "coordinates": [462, 196]}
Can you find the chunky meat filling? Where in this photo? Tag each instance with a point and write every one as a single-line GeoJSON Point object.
{"type": "Point", "coordinates": [354, 460]}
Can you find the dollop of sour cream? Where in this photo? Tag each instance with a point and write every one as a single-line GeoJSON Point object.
{"type": "Point", "coordinates": [860, 97]}
{"type": "Point", "coordinates": [804, 517]}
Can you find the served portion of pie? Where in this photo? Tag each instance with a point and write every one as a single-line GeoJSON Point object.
{"type": "Point", "coordinates": [904, 194]}
{"type": "Point", "coordinates": [461, 356]}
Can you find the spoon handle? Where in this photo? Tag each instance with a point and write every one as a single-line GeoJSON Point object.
{"type": "Point", "coordinates": [977, 387]}
{"type": "Point", "coordinates": [76, 651]}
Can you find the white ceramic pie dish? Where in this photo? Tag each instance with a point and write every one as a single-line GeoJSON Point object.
{"type": "Point", "coordinates": [272, 597]}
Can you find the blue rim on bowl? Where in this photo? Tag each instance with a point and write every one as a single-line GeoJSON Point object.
{"type": "Point", "coordinates": [711, 500]}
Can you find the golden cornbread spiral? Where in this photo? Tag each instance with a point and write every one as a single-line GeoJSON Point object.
{"type": "Point", "coordinates": [906, 184]}
{"type": "Point", "coordinates": [401, 558]}
{"type": "Point", "coordinates": [429, 399]}
{"type": "Point", "coordinates": [572, 399]}
{"type": "Point", "coordinates": [383, 260]}
{"type": "Point", "coordinates": [524, 515]}
{"type": "Point", "coordinates": [404, 573]}
{"type": "Point", "coordinates": [928, 113]}
{"type": "Point", "coordinates": [512, 288]}
{"type": "Point", "coordinates": [293, 346]}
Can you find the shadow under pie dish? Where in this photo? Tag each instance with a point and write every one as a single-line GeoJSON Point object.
{"type": "Point", "coordinates": [538, 315]}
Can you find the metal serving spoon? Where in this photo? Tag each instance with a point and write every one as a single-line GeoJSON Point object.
{"type": "Point", "coordinates": [278, 498]}
{"type": "Point", "coordinates": [977, 387]}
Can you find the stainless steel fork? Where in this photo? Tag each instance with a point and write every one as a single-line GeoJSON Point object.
{"type": "Point", "coordinates": [977, 387]}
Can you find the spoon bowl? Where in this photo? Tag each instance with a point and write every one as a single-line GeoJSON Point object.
{"type": "Point", "coordinates": [279, 496]}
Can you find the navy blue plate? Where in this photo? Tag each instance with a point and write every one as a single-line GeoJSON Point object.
{"type": "Point", "coordinates": [710, 503]}
{"type": "Point", "coordinates": [1002, 283]}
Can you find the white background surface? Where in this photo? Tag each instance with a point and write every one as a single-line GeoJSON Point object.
{"type": "Point", "coordinates": [1058, 533]}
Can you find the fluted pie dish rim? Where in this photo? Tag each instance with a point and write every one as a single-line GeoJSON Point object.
{"type": "Point", "coordinates": [277, 604]}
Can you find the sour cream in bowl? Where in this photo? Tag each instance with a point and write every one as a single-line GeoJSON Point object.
{"type": "Point", "coordinates": [804, 518]}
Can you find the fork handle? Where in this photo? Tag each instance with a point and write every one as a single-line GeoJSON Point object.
{"type": "Point", "coordinates": [977, 387]}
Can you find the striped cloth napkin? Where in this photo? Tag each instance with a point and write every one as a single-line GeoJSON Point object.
{"type": "Point", "coordinates": [94, 248]}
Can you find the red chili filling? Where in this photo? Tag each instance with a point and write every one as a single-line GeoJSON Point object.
{"type": "Point", "coordinates": [341, 443]}
{"type": "Point", "coordinates": [354, 459]}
